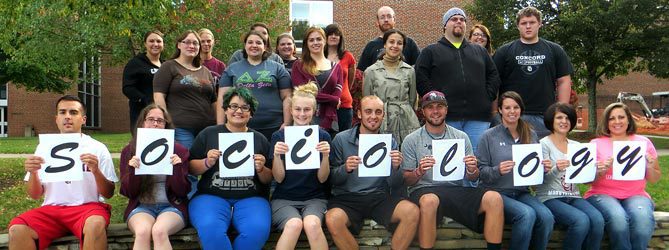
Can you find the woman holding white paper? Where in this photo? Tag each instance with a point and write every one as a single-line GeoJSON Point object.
{"type": "Point", "coordinates": [585, 224]}
{"type": "Point", "coordinates": [299, 200]}
{"type": "Point", "coordinates": [529, 217]}
{"type": "Point", "coordinates": [157, 205]}
{"type": "Point", "coordinates": [224, 201]}
{"type": "Point", "coordinates": [626, 206]}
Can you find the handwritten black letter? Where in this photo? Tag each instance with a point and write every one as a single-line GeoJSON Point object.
{"type": "Point", "coordinates": [371, 151]}
{"type": "Point", "coordinates": [447, 158]}
{"type": "Point", "coordinates": [54, 150]}
{"type": "Point", "coordinates": [162, 142]}
{"type": "Point", "coordinates": [293, 154]}
{"type": "Point", "coordinates": [238, 147]}
{"type": "Point", "coordinates": [585, 160]}
{"type": "Point", "coordinates": [525, 161]}
{"type": "Point", "coordinates": [629, 160]}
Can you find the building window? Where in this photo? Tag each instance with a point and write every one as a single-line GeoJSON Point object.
{"type": "Point", "coordinates": [89, 90]}
{"type": "Point", "coordinates": [304, 14]}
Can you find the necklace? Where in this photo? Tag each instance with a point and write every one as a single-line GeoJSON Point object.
{"type": "Point", "coordinates": [435, 138]}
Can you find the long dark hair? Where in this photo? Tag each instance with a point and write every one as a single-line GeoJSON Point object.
{"type": "Point", "coordinates": [524, 129]}
{"type": "Point", "coordinates": [146, 186]}
{"type": "Point", "coordinates": [196, 61]}
{"type": "Point", "coordinates": [333, 29]}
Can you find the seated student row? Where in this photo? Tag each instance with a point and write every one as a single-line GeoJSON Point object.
{"type": "Point", "coordinates": [302, 107]}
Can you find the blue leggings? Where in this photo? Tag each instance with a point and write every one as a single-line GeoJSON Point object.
{"type": "Point", "coordinates": [211, 216]}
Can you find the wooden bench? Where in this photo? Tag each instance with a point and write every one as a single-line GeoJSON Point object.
{"type": "Point", "coordinates": [450, 235]}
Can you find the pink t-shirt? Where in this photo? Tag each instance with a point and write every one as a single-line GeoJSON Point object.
{"type": "Point", "coordinates": [616, 188]}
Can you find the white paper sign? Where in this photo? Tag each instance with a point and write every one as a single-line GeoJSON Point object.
{"type": "Point", "coordinates": [582, 163]}
{"type": "Point", "coordinates": [302, 153]}
{"type": "Point", "coordinates": [528, 170]}
{"type": "Point", "coordinates": [374, 152]}
{"type": "Point", "coordinates": [61, 154]}
{"type": "Point", "coordinates": [154, 149]}
{"type": "Point", "coordinates": [448, 155]}
{"type": "Point", "coordinates": [236, 154]}
{"type": "Point", "coordinates": [629, 160]}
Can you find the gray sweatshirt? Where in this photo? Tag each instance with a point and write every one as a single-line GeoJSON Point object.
{"type": "Point", "coordinates": [495, 147]}
{"type": "Point", "coordinates": [554, 185]}
{"type": "Point", "coordinates": [345, 144]}
{"type": "Point", "coordinates": [419, 144]}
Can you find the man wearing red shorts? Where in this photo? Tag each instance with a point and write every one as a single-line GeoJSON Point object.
{"type": "Point", "coordinates": [69, 206]}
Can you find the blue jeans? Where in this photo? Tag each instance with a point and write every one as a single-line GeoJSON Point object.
{"type": "Point", "coordinates": [537, 122]}
{"type": "Point", "coordinates": [211, 216]}
{"type": "Point", "coordinates": [585, 224]}
{"type": "Point", "coordinates": [344, 118]}
{"type": "Point", "coordinates": [529, 218]}
{"type": "Point", "coordinates": [155, 210]}
{"type": "Point", "coordinates": [629, 222]}
{"type": "Point", "coordinates": [185, 137]}
{"type": "Point", "coordinates": [473, 129]}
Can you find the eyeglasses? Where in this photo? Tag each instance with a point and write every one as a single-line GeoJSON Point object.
{"type": "Point", "coordinates": [194, 43]}
{"type": "Point", "coordinates": [480, 34]}
{"type": "Point", "coordinates": [156, 120]}
{"type": "Point", "coordinates": [235, 107]}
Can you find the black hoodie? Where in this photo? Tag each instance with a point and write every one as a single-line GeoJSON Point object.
{"type": "Point", "coordinates": [138, 79]}
{"type": "Point", "coordinates": [467, 76]}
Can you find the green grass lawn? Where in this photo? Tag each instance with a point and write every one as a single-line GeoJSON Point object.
{"type": "Point", "coordinates": [14, 200]}
{"type": "Point", "coordinates": [659, 143]}
{"type": "Point", "coordinates": [27, 145]}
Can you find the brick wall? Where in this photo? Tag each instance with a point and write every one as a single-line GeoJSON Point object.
{"type": "Point", "coordinates": [418, 19]}
{"type": "Point", "coordinates": [38, 109]}
{"type": "Point", "coordinates": [115, 118]}
{"type": "Point", "coordinates": [30, 109]}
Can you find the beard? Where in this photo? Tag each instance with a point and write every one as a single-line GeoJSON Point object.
{"type": "Point", "coordinates": [385, 27]}
{"type": "Point", "coordinates": [434, 123]}
{"type": "Point", "coordinates": [458, 33]}
{"type": "Point", "coordinates": [375, 130]}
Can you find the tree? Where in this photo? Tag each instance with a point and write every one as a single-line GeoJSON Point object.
{"type": "Point", "coordinates": [603, 38]}
{"type": "Point", "coordinates": [44, 41]}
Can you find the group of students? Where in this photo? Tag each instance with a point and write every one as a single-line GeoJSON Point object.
{"type": "Point", "coordinates": [262, 92]}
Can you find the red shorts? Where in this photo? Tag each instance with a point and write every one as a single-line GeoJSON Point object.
{"type": "Point", "coordinates": [53, 222]}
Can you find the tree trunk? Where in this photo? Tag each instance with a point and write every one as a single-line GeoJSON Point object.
{"type": "Point", "coordinates": [592, 103]}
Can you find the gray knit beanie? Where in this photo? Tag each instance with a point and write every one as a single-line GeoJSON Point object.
{"type": "Point", "coordinates": [452, 12]}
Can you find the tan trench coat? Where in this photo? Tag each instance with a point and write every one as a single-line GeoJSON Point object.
{"type": "Point", "coordinates": [398, 92]}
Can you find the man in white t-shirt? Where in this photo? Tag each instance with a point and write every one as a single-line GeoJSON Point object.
{"type": "Point", "coordinates": [70, 206]}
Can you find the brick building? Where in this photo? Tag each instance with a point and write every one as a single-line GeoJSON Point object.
{"type": "Point", "coordinates": [21, 112]}
{"type": "Point", "coordinates": [29, 113]}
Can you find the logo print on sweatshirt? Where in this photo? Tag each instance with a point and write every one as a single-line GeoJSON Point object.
{"type": "Point", "coordinates": [245, 78]}
{"type": "Point", "coordinates": [530, 61]}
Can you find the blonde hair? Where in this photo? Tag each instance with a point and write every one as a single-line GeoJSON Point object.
{"type": "Point", "coordinates": [308, 90]}
{"type": "Point", "coordinates": [205, 31]}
